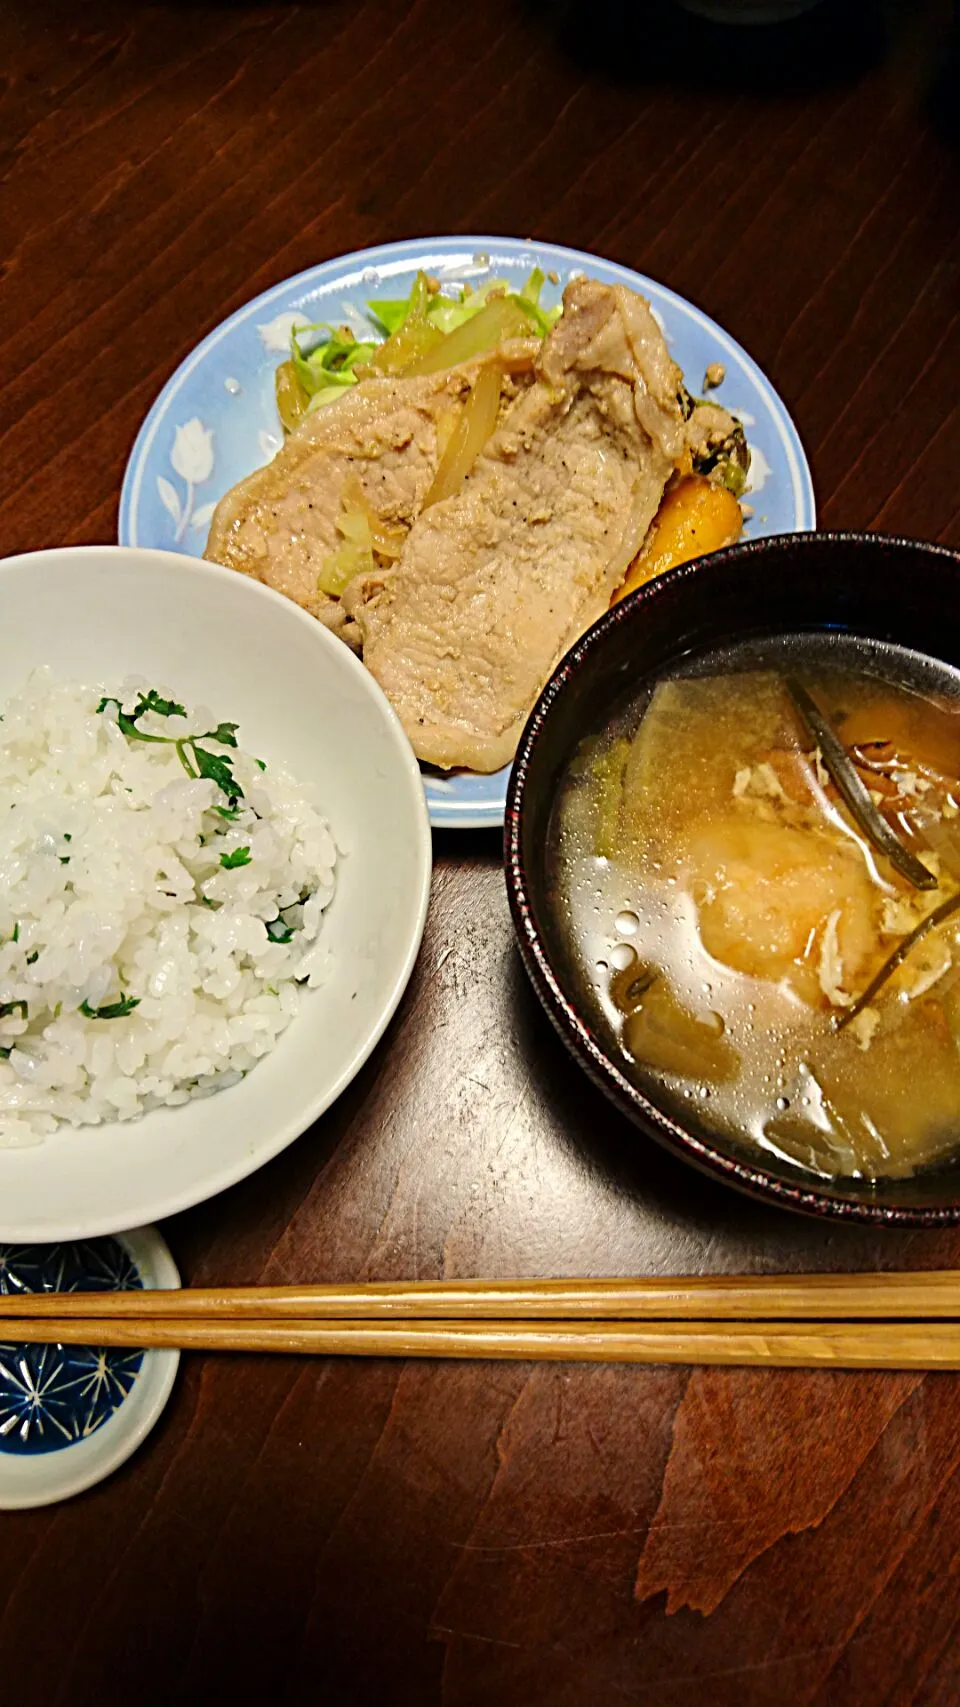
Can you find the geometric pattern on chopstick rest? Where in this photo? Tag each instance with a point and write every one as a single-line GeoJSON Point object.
{"type": "Point", "coordinates": [52, 1396]}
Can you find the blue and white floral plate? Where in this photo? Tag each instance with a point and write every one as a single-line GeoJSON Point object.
{"type": "Point", "coordinates": [216, 418]}
{"type": "Point", "coordinates": [71, 1415]}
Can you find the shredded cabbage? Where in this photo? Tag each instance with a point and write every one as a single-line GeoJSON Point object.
{"type": "Point", "coordinates": [362, 533]}
{"type": "Point", "coordinates": [354, 556]}
{"type": "Point", "coordinates": [502, 318]}
{"type": "Point", "coordinates": [419, 338]}
{"type": "Point", "coordinates": [449, 312]}
{"type": "Point", "coordinates": [330, 362]}
{"type": "Point", "coordinates": [414, 337]}
{"type": "Point", "coordinates": [474, 426]}
{"type": "Point", "coordinates": [316, 375]}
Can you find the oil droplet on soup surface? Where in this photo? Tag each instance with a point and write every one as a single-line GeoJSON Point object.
{"type": "Point", "coordinates": [761, 911]}
{"type": "Point", "coordinates": [622, 956]}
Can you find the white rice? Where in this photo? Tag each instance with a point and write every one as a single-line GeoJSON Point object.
{"type": "Point", "coordinates": [113, 892]}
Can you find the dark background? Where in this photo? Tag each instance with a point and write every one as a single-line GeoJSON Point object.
{"type": "Point", "coordinates": [536, 1536]}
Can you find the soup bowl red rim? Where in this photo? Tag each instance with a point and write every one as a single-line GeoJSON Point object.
{"type": "Point", "coordinates": [570, 1023]}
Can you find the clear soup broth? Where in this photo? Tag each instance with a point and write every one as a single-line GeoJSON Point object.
{"type": "Point", "coordinates": [738, 934]}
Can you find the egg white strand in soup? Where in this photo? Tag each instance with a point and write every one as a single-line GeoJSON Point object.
{"type": "Point", "coordinates": [161, 903]}
{"type": "Point", "coordinates": [739, 938]}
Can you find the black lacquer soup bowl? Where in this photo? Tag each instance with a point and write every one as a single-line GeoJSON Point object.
{"type": "Point", "coordinates": [867, 586]}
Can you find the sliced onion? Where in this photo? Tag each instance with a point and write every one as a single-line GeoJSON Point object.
{"type": "Point", "coordinates": [387, 541]}
{"type": "Point", "coordinates": [350, 558]}
{"type": "Point", "coordinates": [292, 399]}
{"type": "Point", "coordinates": [362, 533]}
{"type": "Point", "coordinates": [406, 351]}
{"type": "Point", "coordinates": [473, 429]}
{"type": "Point", "coordinates": [413, 340]}
{"type": "Point", "coordinates": [505, 317]}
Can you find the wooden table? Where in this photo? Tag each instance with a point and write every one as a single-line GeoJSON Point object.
{"type": "Point", "coordinates": [468, 1534]}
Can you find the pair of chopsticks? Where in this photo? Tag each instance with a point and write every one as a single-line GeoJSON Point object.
{"type": "Point", "coordinates": [843, 1321]}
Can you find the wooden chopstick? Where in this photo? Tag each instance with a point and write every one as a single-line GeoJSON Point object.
{"type": "Point", "coordinates": [807, 1297]}
{"type": "Point", "coordinates": [867, 1345]}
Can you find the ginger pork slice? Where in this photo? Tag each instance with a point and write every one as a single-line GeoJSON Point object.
{"type": "Point", "coordinates": [496, 582]}
{"type": "Point", "coordinates": [379, 439]}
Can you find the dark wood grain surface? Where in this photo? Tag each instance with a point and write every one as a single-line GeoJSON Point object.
{"type": "Point", "coordinates": [469, 1534]}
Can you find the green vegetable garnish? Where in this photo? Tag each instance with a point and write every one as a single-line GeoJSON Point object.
{"type": "Point", "coordinates": [195, 759]}
{"type": "Point", "coordinates": [240, 856]}
{"type": "Point", "coordinates": [111, 1010]}
{"type": "Point", "coordinates": [353, 556]}
{"type": "Point", "coordinates": [389, 312]}
{"type": "Point", "coordinates": [217, 768]}
{"type": "Point", "coordinates": [449, 312]}
{"type": "Point", "coordinates": [609, 772]}
{"type": "Point", "coordinates": [728, 463]}
{"type": "Point", "coordinates": [152, 701]}
{"type": "Point", "coordinates": [530, 293]}
{"type": "Point", "coordinates": [279, 931]}
{"type": "Point", "coordinates": [7, 1008]}
{"type": "Point", "coordinates": [415, 335]}
{"type": "Point", "coordinates": [225, 733]}
{"type": "Point", "coordinates": [230, 813]}
{"type": "Point", "coordinates": [500, 319]}
{"type": "Point", "coordinates": [315, 376]}
{"type": "Point", "coordinates": [330, 364]}
{"type": "Point", "coordinates": [32, 958]}
{"type": "Point", "coordinates": [415, 328]}
{"type": "Point", "coordinates": [127, 721]}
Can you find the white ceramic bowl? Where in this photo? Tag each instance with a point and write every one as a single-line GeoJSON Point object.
{"type": "Point", "coordinates": [102, 613]}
